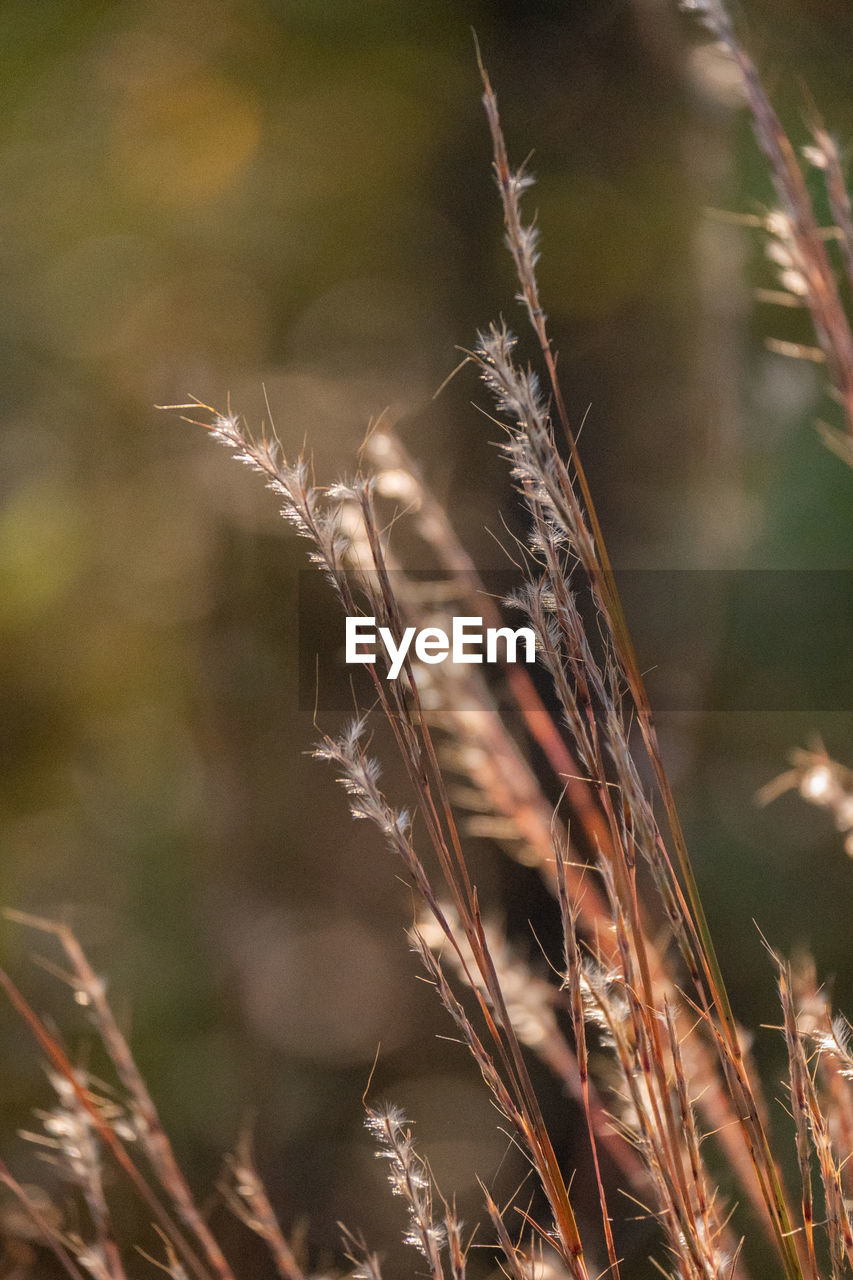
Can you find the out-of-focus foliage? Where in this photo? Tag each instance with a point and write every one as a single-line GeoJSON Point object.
{"type": "Point", "coordinates": [292, 202]}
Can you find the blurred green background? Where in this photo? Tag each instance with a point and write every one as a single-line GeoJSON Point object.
{"type": "Point", "coordinates": [213, 199]}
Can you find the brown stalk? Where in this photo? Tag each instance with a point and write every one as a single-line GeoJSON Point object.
{"type": "Point", "coordinates": [418, 754]}
{"type": "Point", "coordinates": [597, 565]}
{"type": "Point", "coordinates": [515, 792]}
{"type": "Point", "coordinates": [573, 971]}
{"type": "Point", "coordinates": [836, 189]}
{"type": "Point", "coordinates": [819, 287]}
{"type": "Point", "coordinates": [249, 1202]}
{"type": "Point", "coordinates": [814, 1019]}
{"type": "Point", "coordinates": [384, 449]}
{"type": "Point", "coordinates": [152, 1134]}
{"type": "Point", "coordinates": [60, 1061]}
{"type": "Point", "coordinates": [533, 1129]}
{"type": "Point", "coordinates": [830, 320]}
{"type": "Point", "coordinates": [46, 1230]}
{"type": "Point", "coordinates": [799, 1105]}
{"type": "Point", "coordinates": [804, 1095]}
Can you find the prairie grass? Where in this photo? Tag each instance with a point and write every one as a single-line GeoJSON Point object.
{"type": "Point", "coordinates": [635, 1021]}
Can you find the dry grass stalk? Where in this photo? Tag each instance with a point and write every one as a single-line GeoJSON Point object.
{"type": "Point", "coordinates": [797, 244]}
{"type": "Point", "coordinates": [43, 1224]}
{"type": "Point", "coordinates": [506, 795]}
{"type": "Point", "coordinates": [90, 991]}
{"type": "Point", "coordinates": [246, 1196]}
{"type": "Point", "coordinates": [812, 1124]}
{"type": "Point", "coordinates": [674, 1047]}
{"type": "Point", "coordinates": [820, 781]}
{"type": "Point", "coordinates": [830, 1040]}
{"type": "Point", "coordinates": [410, 1178]}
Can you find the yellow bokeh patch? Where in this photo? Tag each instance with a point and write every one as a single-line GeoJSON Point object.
{"type": "Point", "coordinates": [41, 552]}
{"type": "Point", "coordinates": [186, 142]}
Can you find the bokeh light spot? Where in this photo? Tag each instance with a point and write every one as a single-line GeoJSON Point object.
{"type": "Point", "coordinates": [40, 551]}
{"type": "Point", "coordinates": [185, 143]}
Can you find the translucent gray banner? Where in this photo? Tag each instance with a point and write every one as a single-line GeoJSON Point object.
{"type": "Point", "coordinates": [756, 640]}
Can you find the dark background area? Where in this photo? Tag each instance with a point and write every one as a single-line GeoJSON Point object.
{"type": "Point", "coordinates": [294, 200]}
